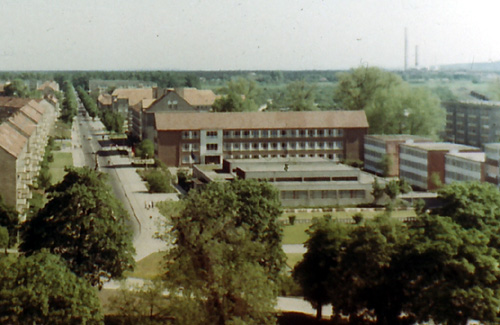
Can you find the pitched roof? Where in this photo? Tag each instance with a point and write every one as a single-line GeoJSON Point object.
{"type": "Point", "coordinates": [13, 102]}
{"type": "Point", "coordinates": [10, 140]}
{"type": "Point", "coordinates": [260, 120]}
{"type": "Point", "coordinates": [134, 95]}
{"type": "Point", "coordinates": [197, 97]}
{"type": "Point", "coordinates": [32, 113]}
{"type": "Point", "coordinates": [49, 84]}
{"type": "Point", "coordinates": [105, 99]}
{"type": "Point", "coordinates": [22, 123]}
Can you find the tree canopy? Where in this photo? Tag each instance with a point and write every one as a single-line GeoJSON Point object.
{"type": "Point", "coordinates": [85, 224]}
{"type": "Point", "coordinates": [40, 289]}
{"type": "Point", "coordinates": [441, 267]}
{"type": "Point", "coordinates": [9, 218]}
{"type": "Point", "coordinates": [16, 88]}
{"type": "Point", "coordinates": [300, 96]}
{"type": "Point", "coordinates": [392, 106]}
{"type": "Point", "coordinates": [237, 96]}
{"type": "Point", "coordinates": [226, 253]}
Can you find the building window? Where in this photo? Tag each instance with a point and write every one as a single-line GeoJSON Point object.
{"type": "Point", "coordinates": [227, 134]}
{"type": "Point", "coordinates": [320, 133]}
{"type": "Point", "coordinates": [312, 145]}
{"type": "Point", "coordinates": [212, 146]}
{"type": "Point", "coordinates": [255, 134]}
{"type": "Point", "coordinates": [264, 146]}
{"type": "Point", "coordinates": [274, 133]}
{"type": "Point", "coordinates": [255, 146]}
{"type": "Point", "coordinates": [186, 147]}
{"type": "Point", "coordinates": [236, 146]}
{"type": "Point", "coordinates": [292, 133]}
{"type": "Point", "coordinates": [264, 133]}
{"type": "Point", "coordinates": [195, 134]}
{"type": "Point", "coordinates": [246, 146]}
{"type": "Point", "coordinates": [186, 134]}
{"type": "Point", "coordinates": [212, 134]}
{"type": "Point", "coordinates": [302, 145]}
{"type": "Point", "coordinates": [283, 133]}
{"type": "Point", "coordinates": [311, 133]}
{"type": "Point", "coordinates": [227, 146]}
{"type": "Point", "coordinates": [274, 145]}
{"type": "Point", "coordinates": [237, 134]}
{"type": "Point", "coordinates": [195, 147]}
{"type": "Point", "coordinates": [302, 133]}
{"type": "Point", "coordinates": [246, 133]}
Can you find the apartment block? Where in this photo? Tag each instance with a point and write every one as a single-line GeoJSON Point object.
{"type": "Point", "coordinates": [383, 150]}
{"type": "Point", "coordinates": [473, 123]}
{"type": "Point", "coordinates": [464, 167]}
{"type": "Point", "coordinates": [492, 163]}
{"type": "Point", "coordinates": [24, 131]}
{"type": "Point", "coordinates": [423, 164]}
{"type": "Point", "coordinates": [183, 139]}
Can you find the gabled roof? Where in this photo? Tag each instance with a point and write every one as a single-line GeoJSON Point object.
{"type": "Point", "coordinates": [22, 123]}
{"type": "Point", "coordinates": [11, 140]}
{"type": "Point", "coordinates": [32, 113]}
{"type": "Point", "coordinates": [105, 99]}
{"type": "Point", "coordinates": [134, 95]}
{"type": "Point", "coordinates": [13, 102]}
{"type": "Point", "coordinates": [197, 97]}
{"type": "Point", "coordinates": [260, 120]}
{"type": "Point", "coordinates": [49, 84]}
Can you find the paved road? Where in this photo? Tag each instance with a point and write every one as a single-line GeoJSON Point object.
{"type": "Point", "coordinates": [126, 183]}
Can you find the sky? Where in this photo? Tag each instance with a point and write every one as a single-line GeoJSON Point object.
{"type": "Point", "coordinates": [245, 35]}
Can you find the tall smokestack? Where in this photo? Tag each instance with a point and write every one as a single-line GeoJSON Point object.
{"type": "Point", "coordinates": [406, 48]}
{"type": "Point", "coordinates": [416, 56]}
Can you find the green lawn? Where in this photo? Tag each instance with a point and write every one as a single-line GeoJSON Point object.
{"type": "Point", "coordinates": [149, 267]}
{"type": "Point", "coordinates": [296, 234]}
{"type": "Point", "coordinates": [61, 160]}
{"type": "Point", "coordinates": [292, 259]}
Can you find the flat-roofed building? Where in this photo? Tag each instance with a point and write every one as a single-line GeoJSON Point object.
{"type": "Point", "coordinates": [307, 182]}
{"type": "Point", "coordinates": [423, 164]}
{"type": "Point", "coordinates": [183, 139]}
{"type": "Point", "coordinates": [473, 123]}
{"type": "Point", "coordinates": [381, 154]}
{"type": "Point", "coordinates": [464, 167]}
{"type": "Point", "coordinates": [492, 163]}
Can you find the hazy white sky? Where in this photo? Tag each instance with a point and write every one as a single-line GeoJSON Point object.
{"type": "Point", "coordinates": [252, 34]}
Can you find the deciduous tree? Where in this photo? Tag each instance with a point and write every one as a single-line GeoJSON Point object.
{"type": "Point", "coordinates": [226, 253]}
{"type": "Point", "coordinates": [85, 224]}
{"type": "Point", "coordinates": [9, 218]}
{"type": "Point", "coordinates": [392, 106]}
{"type": "Point", "coordinates": [40, 289]}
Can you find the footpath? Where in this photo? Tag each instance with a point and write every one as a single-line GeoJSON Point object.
{"type": "Point", "coordinates": [149, 219]}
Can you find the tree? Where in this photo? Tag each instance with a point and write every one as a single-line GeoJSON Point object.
{"type": "Point", "coordinates": [392, 106]}
{"type": "Point", "coordinates": [226, 253]}
{"type": "Point", "coordinates": [41, 289]}
{"type": "Point", "coordinates": [300, 96]}
{"type": "Point", "coordinates": [145, 304]}
{"type": "Point", "coordinates": [377, 191]}
{"type": "Point", "coordinates": [238, 96]}
{"type": "Point", "coordinates": [9, 218]}
{"type": "Point", "coordinates": [316, 270]}
{"type": "Point", "coordinates": [4, 238]}
{"type": "Point", "coordinates": [84, 224]}
{"type": "Point", "coordinates": [145, 149]}
{"type": "Point", "coordinates": [16, 88]}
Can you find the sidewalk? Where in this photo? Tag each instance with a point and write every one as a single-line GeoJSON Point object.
{"type": "Point", "coordinates": [135, 190]}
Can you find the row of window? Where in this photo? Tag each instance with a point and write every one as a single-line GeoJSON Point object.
{"type": "Point", "coordinates": [335, 145]}
{"type": "Point", "coordinates": [414, 152]}
{"type": "Point", "coordinates": [334, 157]}
{"type": "Point", "coordinates": [323, 194]}
{"type": "Point", "coordinates": [464, 165]}
{"type": "Point", "coordinates": [268, 133]}
{"type": "Point", "coordinates": [452, 176]}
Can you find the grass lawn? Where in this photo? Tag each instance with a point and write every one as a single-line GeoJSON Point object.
{"type": "Point", "coordinates": [293, 258]}
{"type": "Point", "coordinates": [296, 234]}
{"type": "Point", "coordinates": [61, 160]}
{"type": "Point", "coordinates": [148, 268]}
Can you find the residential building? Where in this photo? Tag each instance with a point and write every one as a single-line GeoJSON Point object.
{"type": "Point", "coordinates": [104, 101]}
{"type": "Point", "coordinates": [464, 167]}
{"type": "Point", "coordinates": [381, 154]}
{"type": "Point", "coordinates": [473, 123]}
{"type": "Point", "coordinates": [182, 139]}
{"type": "Point", "coordinates": [48, 88]}
{"type": "Point", "coordinates": [123, 98]}
{"type": "Point", "coordinates": [492, 163]}
{"type": "Point", "coordinates": [306, 182]}
{"type": "Point", "coordinates": [423, 164]}
{"type": "Point", "coordinates": [24, 133]}
{"type": "Point", "coordinates": [172, 100]}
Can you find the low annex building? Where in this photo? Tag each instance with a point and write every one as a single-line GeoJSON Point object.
{"type": "Point", "coordinates": [306, 182]}
{"type": "Point", "coordinates": [183, 139]}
